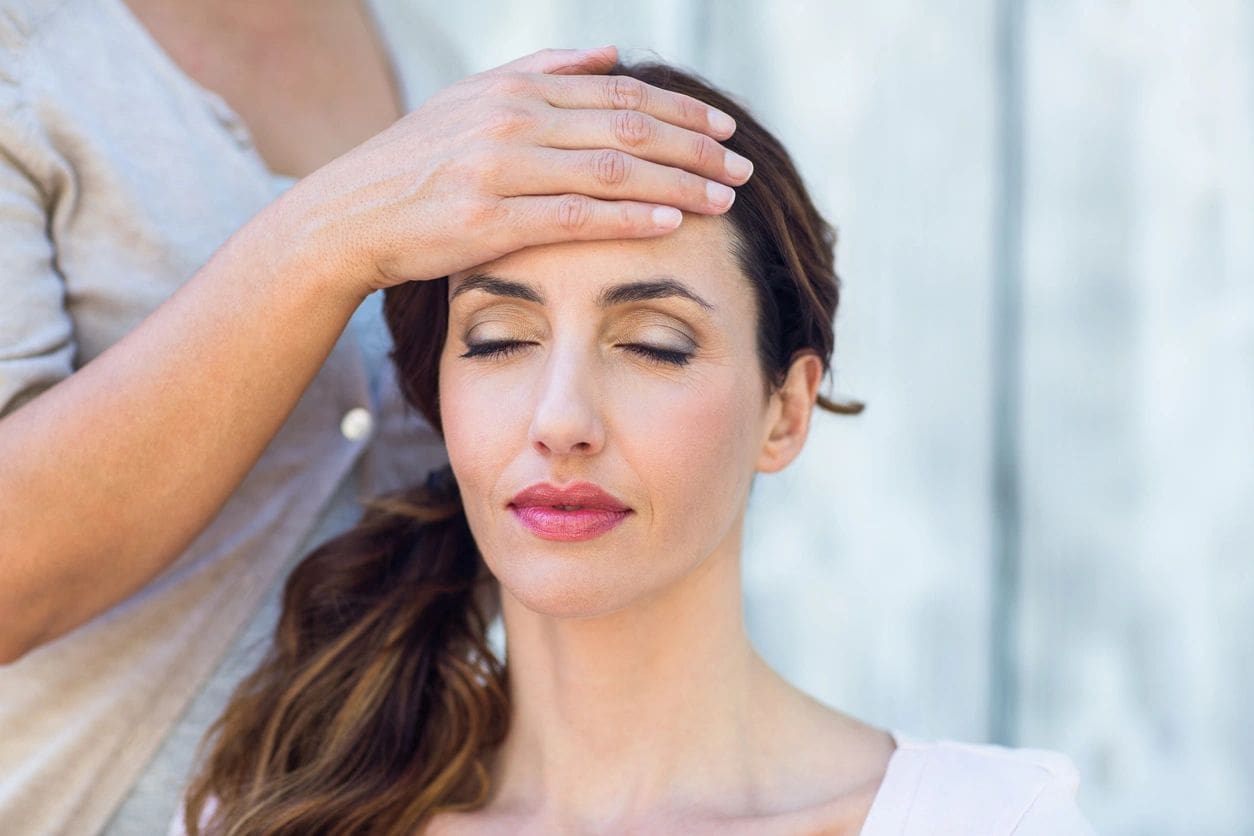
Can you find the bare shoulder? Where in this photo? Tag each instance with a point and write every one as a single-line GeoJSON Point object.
{"type": "Point", "coordinates": [850, 760]}
{"type": "Point", "coordinates": [839, 752]}
{"type": "Point", "coordinates": [828, 769]}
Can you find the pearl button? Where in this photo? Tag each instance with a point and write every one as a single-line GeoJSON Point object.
{"type": "Point", "coordinates": [356, 424]}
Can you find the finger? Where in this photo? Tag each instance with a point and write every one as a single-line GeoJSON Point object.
{"type": "Point", "coordinates": [563, 61]}
{"type": "Point", "coordinates": [644, 136]}
{"type": "Point", "coordinates": [599, 61]}
{"type": "Point", "coordinates": [534, 220]}
{"type": "Point", "coordinates": [620, 92]}
{"type": "Point", "coordinates": [613, 175]}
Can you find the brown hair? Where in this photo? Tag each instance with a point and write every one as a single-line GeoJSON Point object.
{"type": "Point", "coordinates": [380, 700]}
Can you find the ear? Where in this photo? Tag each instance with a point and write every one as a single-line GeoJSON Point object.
{"type": "Point", "coordinates": [788, 413]}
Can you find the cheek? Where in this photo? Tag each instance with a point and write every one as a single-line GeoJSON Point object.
{"type": "Point", "coordinates": [694, 445]}
{"type": "Point", "coordinates": [479, 424]}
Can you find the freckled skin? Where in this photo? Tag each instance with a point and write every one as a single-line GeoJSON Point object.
{"type": "Point", "coordinates": [678, 444]}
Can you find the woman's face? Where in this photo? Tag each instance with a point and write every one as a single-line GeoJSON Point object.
{"type": "Point", "coordinates": [630, 365]}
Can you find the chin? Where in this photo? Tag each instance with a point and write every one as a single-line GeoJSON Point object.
{"type": "Point", "coordinates": [562, 587]}
{"type": "Point", "coordinates": [566, 584]}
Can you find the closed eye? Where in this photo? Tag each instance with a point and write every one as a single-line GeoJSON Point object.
{"type": "Point", "coordinates": [504, 348]}
{"type": "Point", "coordinates": [661, 356]}
{"type": "Point", "coordinates": [495, 348]}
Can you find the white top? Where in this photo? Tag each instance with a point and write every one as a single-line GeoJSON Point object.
{"type": "Point", "coordinates": [946, 788]}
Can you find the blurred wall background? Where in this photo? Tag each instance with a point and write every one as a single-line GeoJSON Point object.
{"type": "Point", "coordinates": [1041, 532]}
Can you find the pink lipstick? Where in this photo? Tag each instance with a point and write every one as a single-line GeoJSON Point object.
{"type": "Point", "coordinates": [580, 511]}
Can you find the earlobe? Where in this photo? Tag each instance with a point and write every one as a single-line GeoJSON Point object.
{"type": "Point", "coordinates": [788, 420]}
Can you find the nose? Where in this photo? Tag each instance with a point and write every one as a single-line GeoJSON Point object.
{"type": "Point", "coordinates": [567, 417]}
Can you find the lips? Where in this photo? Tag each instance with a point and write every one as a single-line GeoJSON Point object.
{"type": "Point", "coordinates": [580, 511]}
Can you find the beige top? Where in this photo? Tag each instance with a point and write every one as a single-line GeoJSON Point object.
{"type": "Point", "coordinates": [119, 176]}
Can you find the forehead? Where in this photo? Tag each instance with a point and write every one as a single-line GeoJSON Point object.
{"type": "Point", "coordinates": [699, 253]}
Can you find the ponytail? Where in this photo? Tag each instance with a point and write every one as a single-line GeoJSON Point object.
{"type": "Point", "coordinates": [380, 697]}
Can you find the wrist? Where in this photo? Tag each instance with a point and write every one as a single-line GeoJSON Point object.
{"type": "Point", "coordinates": [305, 241]}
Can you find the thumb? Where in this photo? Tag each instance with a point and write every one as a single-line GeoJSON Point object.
{"type": "Point", "coordinates": [564, 61]}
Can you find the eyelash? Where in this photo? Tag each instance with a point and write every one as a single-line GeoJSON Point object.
{"type": "Point", "coordinates": [504, 348]}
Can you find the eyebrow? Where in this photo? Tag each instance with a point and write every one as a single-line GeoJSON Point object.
{"type": "Point", "coordinates": [659, 287]}
{"type": "Point", "coordinates": [498, 287]}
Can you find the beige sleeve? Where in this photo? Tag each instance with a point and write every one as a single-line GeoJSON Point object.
{"type": "Point", "coordinates": [37, 345]}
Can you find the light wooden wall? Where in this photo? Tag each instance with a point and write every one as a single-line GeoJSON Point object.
{"type": "Point", "coordinates": [1041, 533]}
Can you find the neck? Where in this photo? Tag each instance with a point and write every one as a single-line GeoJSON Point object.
{"type": "Point", "coordinates": [239, 18]}
{"type": "Point", "coordinates": [647, 709]}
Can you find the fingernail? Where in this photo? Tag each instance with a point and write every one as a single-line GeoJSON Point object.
{"type": "Point", "coordinates": [737, 166]}
{"type": "Point", "coordinates": [721, 123]}
{"type": "Point", "coordinates": [719, 195]}
{"type": "Point", "coordinates": [667, 217]}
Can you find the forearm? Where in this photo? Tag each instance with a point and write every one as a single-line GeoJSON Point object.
{"type": "Point", "coordinates": [108, 476]}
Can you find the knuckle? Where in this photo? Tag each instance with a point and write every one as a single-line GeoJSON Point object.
{"type": "Point", "coordinates": [632, 128]}
{"type": "Point", "coordinates": [574, 213]}
{"type": "Point", "coordinates": [509, 84]}
{"type": "Point", "coordinates": [495, 222]}
{"type": "Point", "coordinates": [705, 151]}
{"type": "Point", "coordinates": [463, 164]}
{"type": "Point", "coordinates": [610, 167]}
{"type": "Point", "coordinates": [691, 187]}
{"type": "Point", "coordinates": [482, 214]}
{"type": "Point", "coordinates": [624, 219]}
{"type": "Point", "coordinates": [479, 163]}
{"type": "Point", "coordinates": [508, 121]}
{"type": "Point", "coordinates": [490, 172]}
{"type": "Point", "coordinates": [692, 111]}
{"type": "Point", "coordinates": [625, 92]}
